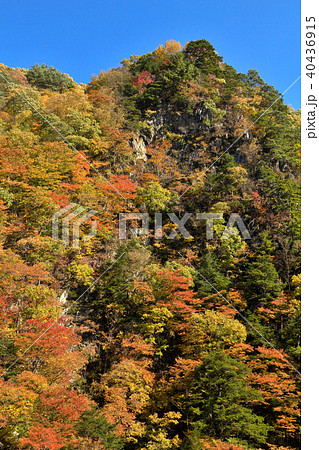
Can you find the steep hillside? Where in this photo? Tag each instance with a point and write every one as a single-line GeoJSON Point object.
{"type": "Point", "coordinates": [184, 336]}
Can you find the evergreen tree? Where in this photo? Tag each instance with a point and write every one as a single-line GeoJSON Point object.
{"type": "Point", "coordinates": [94, 426]}
{"type": "Point", "coordinates": [45, 77]}
{"type": "Point", "coordinates": [221, 401]}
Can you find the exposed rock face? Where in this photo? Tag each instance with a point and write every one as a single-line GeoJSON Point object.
{"type": "Point", "coordinates": [139, 148]}
{"type": "Point", "coordinates": [181, 122]}
{"type": "Point", "coordinates": [63, 297]}
{"type": "Point", "coordinates": [187, 126]}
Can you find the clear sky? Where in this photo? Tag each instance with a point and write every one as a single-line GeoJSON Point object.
{"type": "Point", "coordinates": [82, 37]}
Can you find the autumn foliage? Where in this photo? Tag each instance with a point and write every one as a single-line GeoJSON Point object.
{"type": "Point", "coordinates": [145, 343]}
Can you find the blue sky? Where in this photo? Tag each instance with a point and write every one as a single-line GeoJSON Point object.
{"type": "Point", "coordinates": [84, 37]}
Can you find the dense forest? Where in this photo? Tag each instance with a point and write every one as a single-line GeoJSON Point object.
{"type": "Point", "coordinates": [183, 342]}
